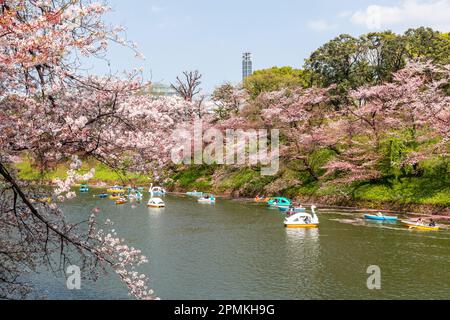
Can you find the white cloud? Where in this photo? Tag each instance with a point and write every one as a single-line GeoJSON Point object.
{"type": "Point", "coordinates": [320, 25]}
{"type": "Point", "coordinates": [345, 14]}
{"type": "Point", "coordinates": [408, 13]}
{"type": "Point", "coordinates": [157, 9]}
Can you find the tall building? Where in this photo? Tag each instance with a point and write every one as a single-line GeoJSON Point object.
{"type": "Point", "coordinates": [247, 66]}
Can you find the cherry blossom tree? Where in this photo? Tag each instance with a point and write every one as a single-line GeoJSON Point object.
{"type": "Point", "coordinates": [52, 112]}
{"type": "Point", "coordinates": [412, 110]}
{"type": "Point", "coordinates": [229, 100]}
{"type": "Point", "coordinates": [301, 115]}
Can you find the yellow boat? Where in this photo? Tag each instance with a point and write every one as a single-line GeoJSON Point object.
{"type": "Point", "coordinates": [302, 226]}
{"type": "Point", "coordinates": [114, 197]}
{"type": "Point", "coordinates": [419, 226]}
{"type": "Point", "coordinates": [422, 228]}
{"type": "Point", "coordinates": [262, 200]}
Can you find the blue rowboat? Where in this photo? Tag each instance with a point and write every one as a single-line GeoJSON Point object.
{"type": "Point", "coordinates": [195, 194]}
{"type": "Point", "coordinates": [296, 210]}
{"type": "Point", "coordinates": [380, 218]}
{"type": "Point", "coordinates": [103, 196]}
{"type": "Point", "coordinates": [84, 188]}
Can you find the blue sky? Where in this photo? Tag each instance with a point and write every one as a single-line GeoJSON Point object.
{"type": "Point", "coordinates": [177, 35]}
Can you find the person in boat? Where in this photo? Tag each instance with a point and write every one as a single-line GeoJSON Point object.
{"type": "Point", "coordinates": [420, 221]}
{"type": "Point", "coordinates": [379, 214]}
{"type": "Point", "coordinates": [432, 223]}
{"type": "Point", "coordinates": [291, 210]}
{"type": "Point", "coordinates": [307, 220]}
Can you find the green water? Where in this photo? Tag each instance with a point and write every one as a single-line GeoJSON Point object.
{"type": "Point", "coordinates": [234, 250]}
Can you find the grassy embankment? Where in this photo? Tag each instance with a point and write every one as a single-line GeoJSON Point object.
{"type": "Point", "coordinates": [103, 174]}
{"type": "Point", "coordinates": [429, 193]}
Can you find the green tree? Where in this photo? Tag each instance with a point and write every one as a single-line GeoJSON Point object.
{"type": "Point", "coordinates": [339, 61]}
{"type": "Point", "coordinates": [427, 44]}
{"type": "Point", "coordinates": [275, 79]}
{"type": "Point", "coordinates": [385, 53]}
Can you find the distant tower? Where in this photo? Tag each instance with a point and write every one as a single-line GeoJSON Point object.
{"type": "Point", "coordinates": [247, 66]}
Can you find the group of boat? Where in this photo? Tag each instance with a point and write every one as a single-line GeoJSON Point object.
{"type": "Point", "coordinates": [297, 217]}
{"type": "Point", "coordinates": [122, 195]}
{"type": "Point", "coordinates": [420, 224]}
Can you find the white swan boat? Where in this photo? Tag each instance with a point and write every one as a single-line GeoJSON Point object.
{"type": "Point", "coordinates": [156, 203]}
{"type": "Point", "coordinates": [157, 191]}
{"type": "Point", "coordinates": [303, 220]}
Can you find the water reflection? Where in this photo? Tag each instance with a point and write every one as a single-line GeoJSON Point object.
{"type": "Point", "coordinates": [303, 244]}
{"type": "Point", "coordinates": [300, 234]}
{"type": "Point", "coordinates": [155, 210]}
{"type": "Point", "coordinates": [303, 261]}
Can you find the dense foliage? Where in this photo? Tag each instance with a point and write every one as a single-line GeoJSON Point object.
{"type": "Point", "coordinates": [372, 110]}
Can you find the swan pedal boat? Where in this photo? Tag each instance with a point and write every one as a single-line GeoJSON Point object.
{"type": "Point", "coordinates": [302, 220]}
{"type": "Point", "coordinates": [380, 217]}
{"type": "Point", "coordinates": [421, 227]}
{"type": "Point", "coordinates": [157, 191]}
{"type": "Point", "coordinates": [156, 203]}
{"type": "Point", "coordinates": [296, 210]}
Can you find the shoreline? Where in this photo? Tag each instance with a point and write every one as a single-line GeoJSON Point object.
{"type": "Point", "coordinates": [355, 209]}
{"type": "Point", "coordinates": [441, 213]}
